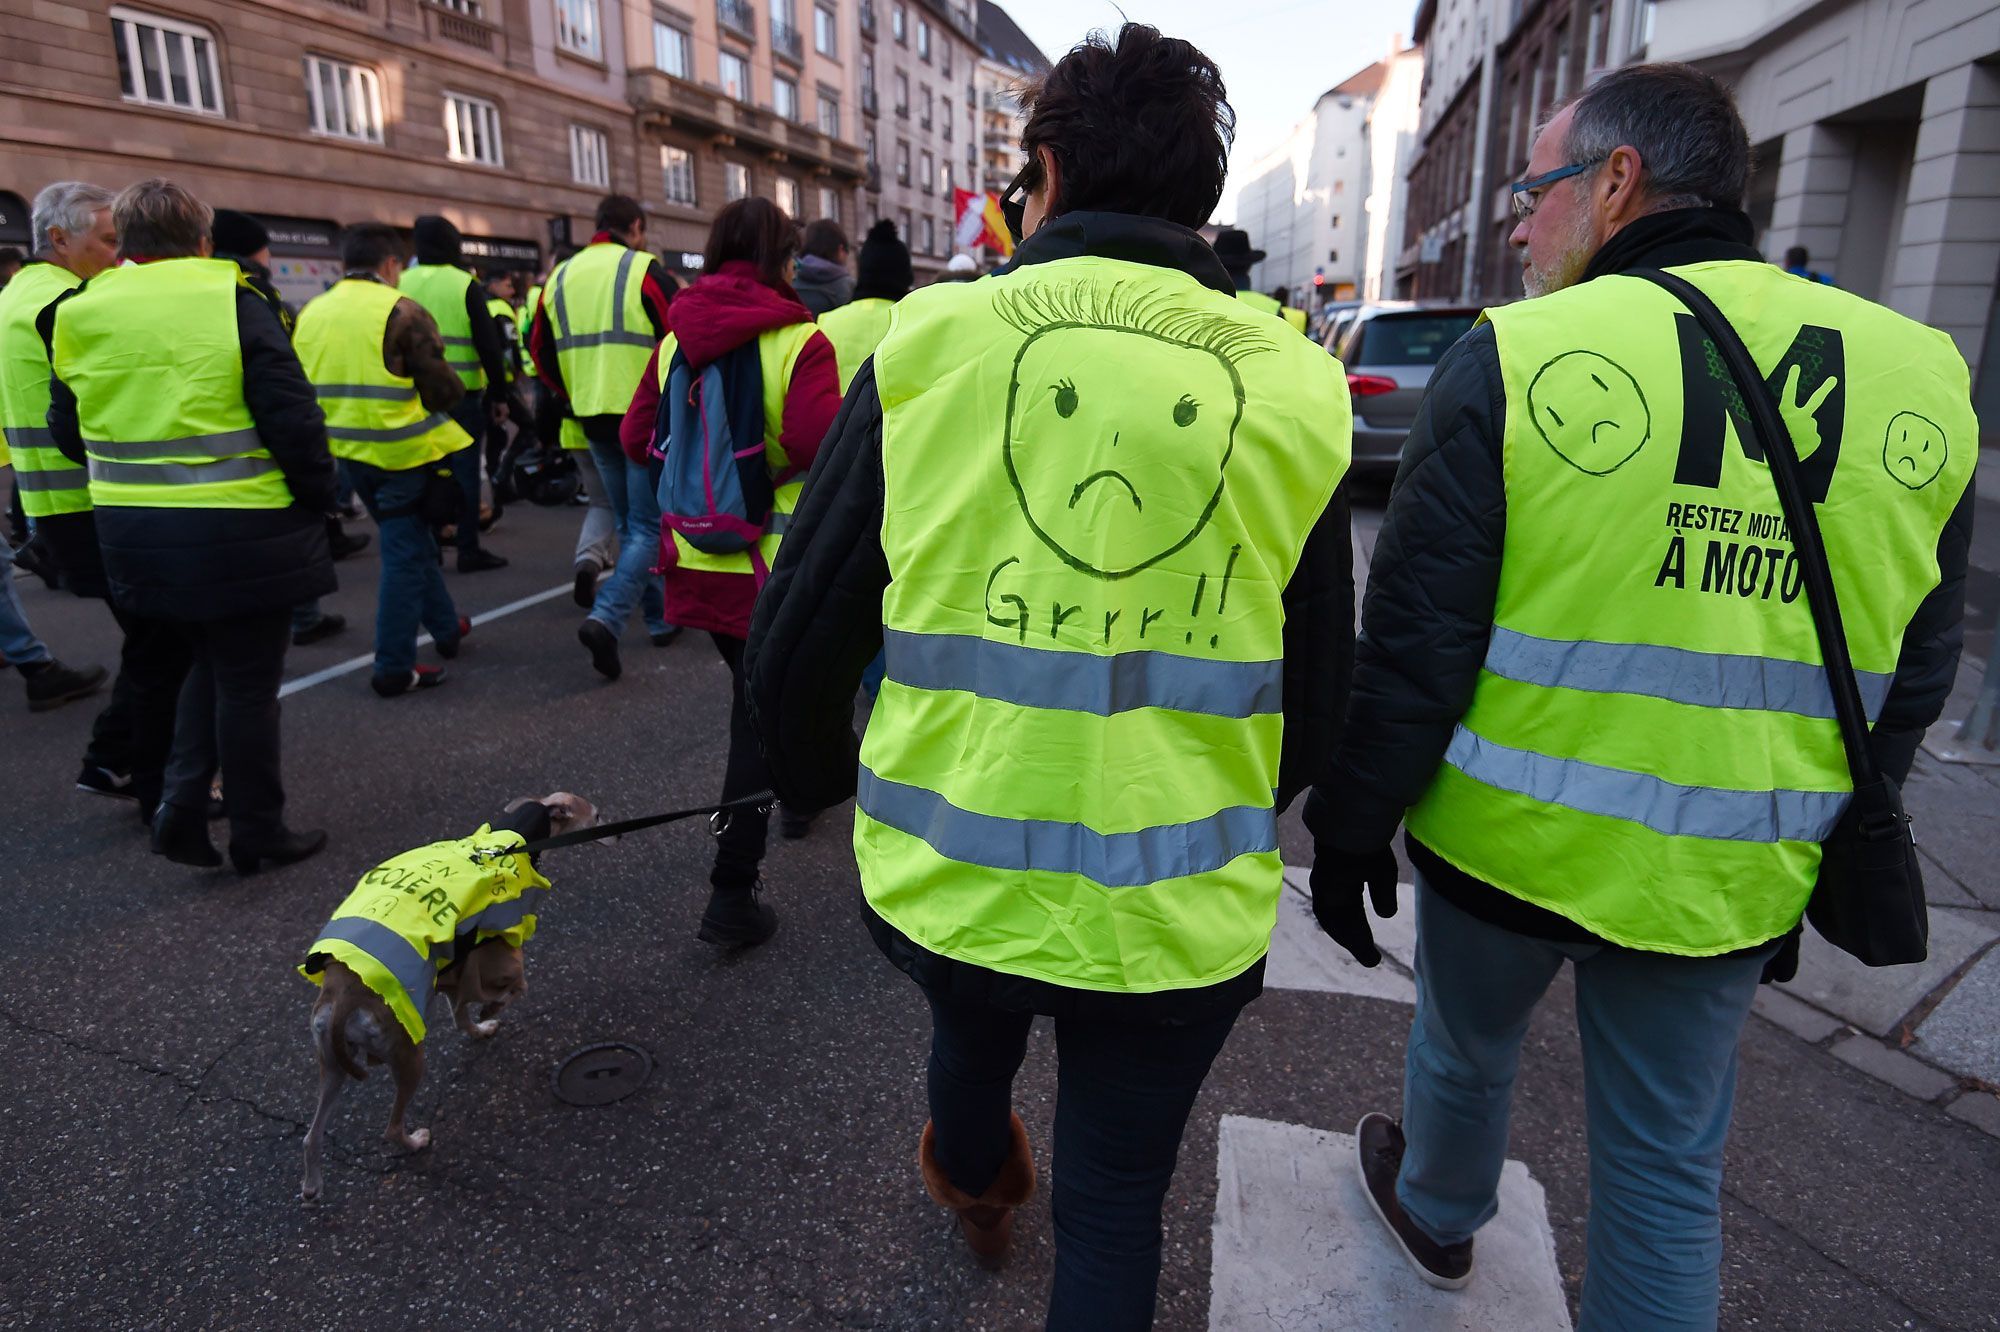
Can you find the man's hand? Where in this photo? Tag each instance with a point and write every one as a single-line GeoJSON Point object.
{"type": "Point", "coordinates": [1337, 880]}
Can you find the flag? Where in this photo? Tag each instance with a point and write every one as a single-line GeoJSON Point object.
{"type": "Point", "coordinates": [980, 223]}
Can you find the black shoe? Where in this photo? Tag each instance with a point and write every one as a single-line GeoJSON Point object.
{"type": "Point", "coordinates": [584, 593]}
{"type": "Point", "coordinates": [448, 650]}
{"type": "Point", "coordinates": [39, 560]}
{"type": "Point", "coordinates": [662, 637]}
{"type": "Point", "coordinates": [100, 780]}
{"type": "Point", "coordinates": [479, 561]}
{"type": "Point", "coordinates": [736, 919]}
{"type": "Point", "coordinates": [603, 645]}
{"type": "Point", "coordinates": [344, 545]}
{"type": "Point", "coordinates": [54, 684]}
{"type": "Point", "coordinates": [423, 677]}
{"type": "Point", "coordinates": [286, 848]}
{"type": "Point", "coordinates": [182, 837]}
{"type": "Point", "coordinates": [325, 627]}
{"type": "Point", "coordinates": [793, 826]}
{"type": "Point", "coordinates": [1378, 1151]}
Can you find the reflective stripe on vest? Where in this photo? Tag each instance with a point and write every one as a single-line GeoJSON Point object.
{"type": "Point", "coordinates": [1098, 478]}
{"type": "Point", "coordinates": [372, 416]}
{"type": "Point", "coordinates": [1650, 750]}
{"type": "Point", "coordinates": [777, 355]}
{"type": "Point", "coordinates": [602, 332]}
{"type": "Point", "coordinates": [50, 483]}
{"type": "Point", "coordinates": [414, 971]}
{"type": "Point", "coordinates": [441, 289]}
{"type": "Point", "coordinates": [153, 354]}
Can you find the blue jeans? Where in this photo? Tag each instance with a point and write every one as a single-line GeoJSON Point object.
{"type": "Point", "coordinates": [412, 589]}
{"type": "Point", "coordinates": [1659, 1071]}
{"type": "Point", "coordinates": [637, 509]}
{"type": "Point", "coordinates": [1123, 1093]}
{"type": "Point", "coordinates": [18, 644]}
{"type": "Point", "coordinates": [466, 465]}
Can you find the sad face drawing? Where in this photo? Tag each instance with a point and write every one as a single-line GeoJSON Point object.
{"type": "Point", "coordinates": [1121, 418]}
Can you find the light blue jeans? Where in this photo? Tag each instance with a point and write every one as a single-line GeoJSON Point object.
{"type": "Point", "coordinates": [637, 509]}
{"type": "Point", "coordinates": [412, 591]}
{"type": "Point", "coordinates": [1659, 1071]}
{"type": "Point", "coordinates": [18, 644]}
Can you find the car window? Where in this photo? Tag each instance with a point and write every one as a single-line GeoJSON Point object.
{"type": "Point", "coordinates": [1406, 339]}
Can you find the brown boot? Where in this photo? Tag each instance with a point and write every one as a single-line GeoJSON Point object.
{"type": "Point", "coordinates": [988, 1220]}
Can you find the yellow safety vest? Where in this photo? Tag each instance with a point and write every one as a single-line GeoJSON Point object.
{"type": "Point", "coordinates": [855, 330]}
{"type": "Point", "coordinates": [408, 917]}
{"type": "Point", "coordinates": [510, 333]}
{"type": "Point", "coordinates": [1651, 750]}
{"type": "Point", "coordinates": [528, 309]}
{"type": "Point", "coordinates": [372, 416]}
{"type": "Point", "coordinates": [153, 355]}
{"type": "Point", "coordinates": [1098, 479]}
{"type": "Point", "coordinates": [49, 483]}
{"type": "Point", "coordinates": [1269, 305]}
{"type": "Point", "coordinates": [777, 355]}
{"type": "Point", "coordinates": [441, 288]}
{"type": "Point", "coordinates": [603, 335]}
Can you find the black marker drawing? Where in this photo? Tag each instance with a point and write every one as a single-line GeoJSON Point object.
{"type": "Point", "coordinates": [1589, 409]}
{"type": "Point", "coordinates": [1914, 450]}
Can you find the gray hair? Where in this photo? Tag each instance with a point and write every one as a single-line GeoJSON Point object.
{"type": "Point", "coordinates": [1683, 123]}
{"type": "Point", "coordinates": [157, 219]}
{"type": "Point", "coordinates": [69, 204]}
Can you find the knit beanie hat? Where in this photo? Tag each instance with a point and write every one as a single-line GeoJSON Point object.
{"type": "Point", "coordinates": [237, 233]}
{"type": "Point", "coordinates": [882, 270]}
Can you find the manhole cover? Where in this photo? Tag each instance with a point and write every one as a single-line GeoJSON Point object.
{"type": "Point", "coordinates": [601, 1074]}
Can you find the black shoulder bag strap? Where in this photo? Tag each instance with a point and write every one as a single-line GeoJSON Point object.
{"type": "Point", "coordinates": [1869, 898]}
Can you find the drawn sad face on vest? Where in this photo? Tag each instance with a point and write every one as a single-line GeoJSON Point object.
{"type": "Point", "coordinates": [1913, 450]}
{"type": "Point", "coordinates": [1121, 418]}
{"type": "Point", "coordinates": [1590, 411]}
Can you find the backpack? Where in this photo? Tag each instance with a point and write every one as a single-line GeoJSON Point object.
{"type": "Point", "coordinates": [715, 488]}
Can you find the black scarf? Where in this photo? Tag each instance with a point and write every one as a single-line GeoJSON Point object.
{"type": "Point", "coordinates": [1128, 236]}
{"type": "Point", "coordinates": [1678, 236]}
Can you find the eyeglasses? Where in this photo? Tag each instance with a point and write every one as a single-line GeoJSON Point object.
{"type": "Point", "coordinates": [1014, 199]}
{"type": "Point", "coordinates": [1527, 193]}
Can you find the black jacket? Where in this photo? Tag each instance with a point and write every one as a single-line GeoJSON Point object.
{"type": "Point", "coordinates": [818, 624]}
{"type": "Point", "coordinates": [213, 564]}
{"type": "Point", "coordinates": [1432, 583]}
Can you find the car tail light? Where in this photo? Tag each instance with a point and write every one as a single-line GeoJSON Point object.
{"type": "Point", "coordinates": [1368, 386]}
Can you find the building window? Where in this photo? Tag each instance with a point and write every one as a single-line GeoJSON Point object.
{"type": "Point", "coordinates": [470, 7]}
{"type": "Point", "coordinates": [1593, 38]}
{"type": "Point", "coordinates": [899, 24]}
{"type": "Point", "coordinates": [735, 73]}
{"type": "Point", "coordinates": [589, 157]}
{"type": "Point", "coordinates": [736, 180]}
{"type": "Point", "coordinates": [673, 50]}
{"type": "Point", "coordinates": [924, 39]}
{"type": "Point", "coordinates": [829, 202]}
{"type": "Point", "coordinates": [163, 62]}
{"type": "Point", "coordinates": [930, 235]}
{"type": "Point", "coordinates": [826, 32]}
{"type": "Point", "coordinates": [346, 100]}
{"type": "Point", "coordinates": [868, 145]}
{"type": "Point", "coordinates": [947, 120]}
{"type": "Point", "coordinates": [929, 106]}
{"type": "Point", "coordinates": [1642, 27]}
{"type": "Point", "coordinates": [1562, 61]}
{"type": "Point", "coordinates": [677, 165]}
{"type": "Point", "coordinates": [902, 163]}
{"type": "Point", "coordinates": [576, 27]}
{"type": "Point", "coordinates": [944, 179]}
{"type": "Point", "coordinates": [927, 172]}
{"type": "Point", "coordinates": [902, 94]}
{"type": "Point", "coordinates": [944, 59]}
{"type": "Point", "coordinates": [472, 130]}
{"type": "Point", "coordinates": [829, 115]}
{"type": "Point", "coordinates": [903, 227]}
{"type": "Point", "coordinates": [788, 197]}
{"type": "Point", "coordinates": [785, 97]}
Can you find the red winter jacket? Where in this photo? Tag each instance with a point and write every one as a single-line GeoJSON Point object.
{"type": "Point", "coordinates": [719, 313]}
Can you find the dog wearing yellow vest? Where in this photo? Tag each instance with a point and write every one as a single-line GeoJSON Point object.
{"type": "Point", "coordinates": [449, 918]}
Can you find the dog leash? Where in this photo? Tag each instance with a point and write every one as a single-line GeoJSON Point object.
{"type": "Point", "coordinates": [718, 823]}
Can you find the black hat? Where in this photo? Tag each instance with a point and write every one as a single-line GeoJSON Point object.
{"type": "Point", "coordinates": [436, 240]}
{"type": "Point", "coordinates": [1232, 247]}
{"type": "Point", "coordinates": [237, 233]}
{"type": "Point", "coordinates": [882, 270]}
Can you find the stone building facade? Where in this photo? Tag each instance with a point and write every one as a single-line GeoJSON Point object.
{"type": "Point", "coordinates": [919, 119]}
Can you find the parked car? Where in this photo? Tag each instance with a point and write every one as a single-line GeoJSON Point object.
{"type": "Point", "coordinates": [1388, 352]}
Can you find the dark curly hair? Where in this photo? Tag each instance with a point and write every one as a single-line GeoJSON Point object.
{"type": "Point", "coordinates": [1142, 125]}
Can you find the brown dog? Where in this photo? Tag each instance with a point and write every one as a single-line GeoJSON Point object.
{"type": "Point", "coordinates": [354, 1024]}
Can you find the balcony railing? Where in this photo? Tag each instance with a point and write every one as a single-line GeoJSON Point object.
{"type": "Point", "coordinates": [738, 17]}
{"type": "Point", "coordinates": [867, 20]}
{"type": "Point", "coordinates": [786, 41]}
{"type": "Point", "coordinates": [871, 104]}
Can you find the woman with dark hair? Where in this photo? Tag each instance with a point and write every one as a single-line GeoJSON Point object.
{"type": "Point", "coordinates": [1090, 505]}
{"type": "Point", "coordinates": [742, 315]}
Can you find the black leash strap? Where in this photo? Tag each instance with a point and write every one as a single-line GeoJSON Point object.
{"type": "Point", "coordinates": [718, 821]}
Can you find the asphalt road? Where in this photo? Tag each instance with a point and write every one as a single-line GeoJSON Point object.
{"type": "Point", "coordinates": [154, 1049]}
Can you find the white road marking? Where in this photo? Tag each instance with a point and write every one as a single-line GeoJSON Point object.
{"type": "Point", "coordinates": [1297, 1246]}
{"type": "Point", "coordinates": [1303, 958]}
{"type": "Point", "coordinates": [353, 664]}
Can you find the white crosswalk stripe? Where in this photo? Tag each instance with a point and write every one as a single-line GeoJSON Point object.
{"type": "Point", "coordinates": [1303, 958]}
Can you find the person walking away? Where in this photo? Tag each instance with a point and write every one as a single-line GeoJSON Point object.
{"type": "Point", "coordinates": [1798, 262]}
{"type": "Point", "coordinates": [1232, 246]}
{"type": "Point", "coordinates": [822, 280]}
{"type": "Point", "coordinates": [209, 471]}
{"type": "Point", "coordinates": [440, 283]}
{"type": "Point", "coordinates": [1611, 742]}
{"type": "Point", "coordinates": [1091, 504]}
{"type": "Point", "coordinates": [244, 241]}
{"type": "Point", "coordinates": [50, 684]}
{"type": "Point", "coordinates": [742, 317]}
{"type": "Point", "coordinates": [501, 286]}
{"type": "Point", "coordinates": [74, 240]}
{"type": "Point", "coordinates": [383, 377]}
{"type": "Point", "coordinates": [883, 277]}
{"type": "Point", "coordinates": [601, 318]}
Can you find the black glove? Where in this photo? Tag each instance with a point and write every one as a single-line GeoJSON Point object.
{"type": "Point", "coordinates": [1337, 878]}
{"type": "Point", "coordinates": [1782, 965]}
